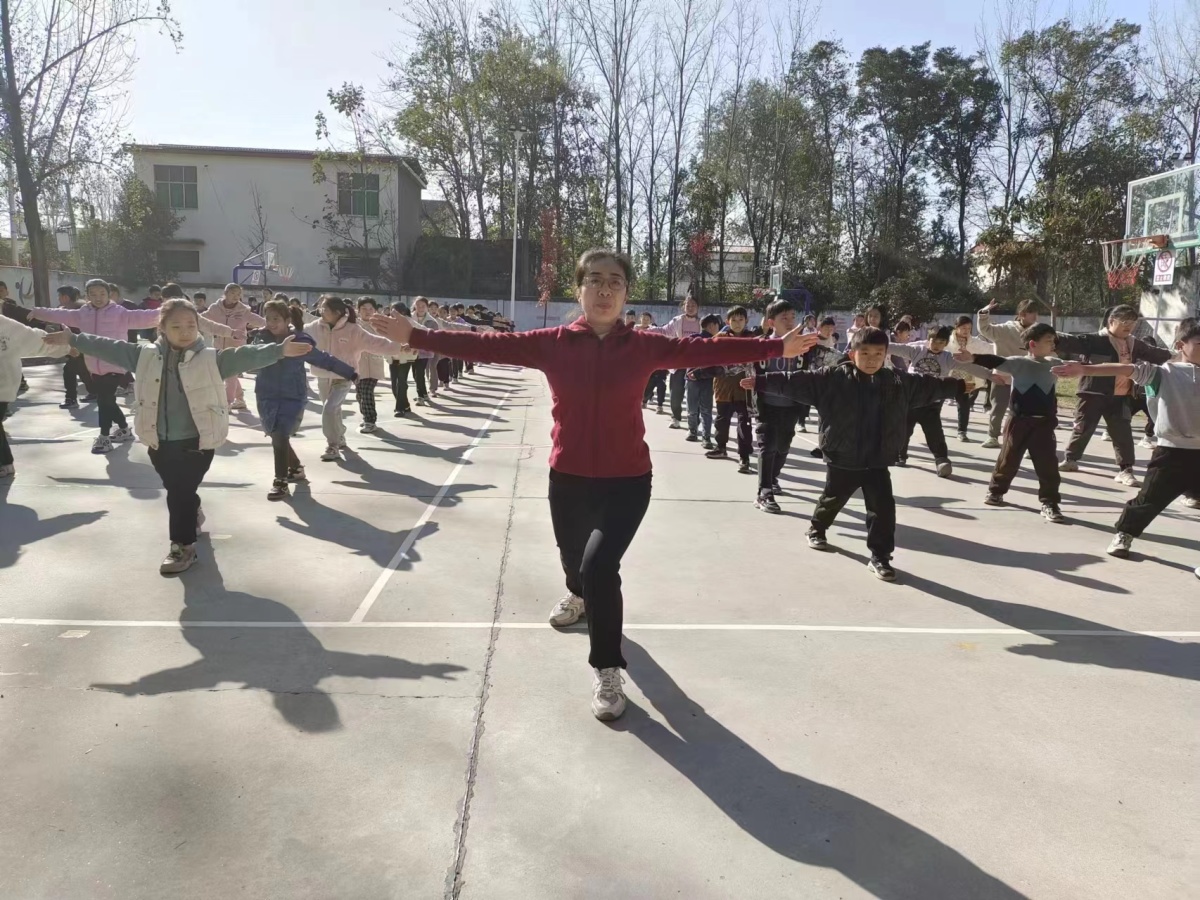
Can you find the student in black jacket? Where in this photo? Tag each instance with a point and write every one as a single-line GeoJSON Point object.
{"type": "Point", "coordinates": [1106, 397]}
{"type": "Point", "coordinates": [864, 425]}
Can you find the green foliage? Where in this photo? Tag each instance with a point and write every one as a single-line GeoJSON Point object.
{"type": "Point", "coordinates": [125, 247]}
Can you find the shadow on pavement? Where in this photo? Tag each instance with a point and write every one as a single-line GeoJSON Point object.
{"type": "Point", "coordinates": [801, 819]}
{"type": "Point", "coordinates": [20, 525]}
{"type": "Point", "coordinates": [287, 662]}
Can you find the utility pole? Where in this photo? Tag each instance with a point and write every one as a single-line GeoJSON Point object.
{"type": "Point", "coordinates": [512, 303]}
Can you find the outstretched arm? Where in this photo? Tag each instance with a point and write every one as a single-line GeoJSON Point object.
{"type": "Point", "coordinates": [119, 353]}
{"type": "Point", "coordinates": [214, 329]}
{"type": "Point", "coordinates": [510, 348]}
{"type": "Point", "coordinates": [682, 353]}
{"type": "Point", "coordinates": [803, 387]}
{"type": "Point", "coordinates": [926, 390]}
{"type": "Point", "coordinates": [237, 360]}
{"type": "Point", "coordinates": [1078, 369]}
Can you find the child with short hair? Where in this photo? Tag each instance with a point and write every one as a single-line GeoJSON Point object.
{"type": "Point", "coordinates": [1174, 401]}
{"type": "Point", "coordinates": [777, 413]}
{"type": "Point", "coordinates": [371, 370]}
{"type": "Point", "coordinates": [657, 383]}
{"type": "Point", "coordinates": [864, 425]}
{"type": "Point", "coordinates": [731, 398]}
{"type": "Point", "coordinates": [1034, 417]}
{"type": "Point", "coordinates": [700, 390]}
{"type": "Point", "coordinates": [962, 341]}
{"type": "Point", "coordinates": [181, 413]}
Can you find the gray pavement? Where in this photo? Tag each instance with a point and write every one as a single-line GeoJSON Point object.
{"type": "Point", "coordinates": [354, 694]}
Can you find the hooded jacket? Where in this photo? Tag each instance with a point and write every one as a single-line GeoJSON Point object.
{"type": "Point", "coordinates": [281, 389]}
{"type": "Point", "coordinates": [112, 320]}
{"type": "Point", "coordinates": [1097, 349]}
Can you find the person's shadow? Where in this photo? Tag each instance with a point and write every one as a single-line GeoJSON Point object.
{"type": "Point", "coordinates": [286, 660]}
{"type": "Point", "coordinates": [332, 526]}
{"type": "Point", "coordinates": [798, 818]}
{"type": "Point", "coordinates": [20, 525]}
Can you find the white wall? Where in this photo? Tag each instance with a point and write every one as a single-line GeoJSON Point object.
{"type": "Point", "coordinates": [225, 221]}
{"type": "Point", "coordinates": [20, 283]}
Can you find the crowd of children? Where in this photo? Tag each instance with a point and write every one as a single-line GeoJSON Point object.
{"type": "Point", "coordinates": [868, 400]}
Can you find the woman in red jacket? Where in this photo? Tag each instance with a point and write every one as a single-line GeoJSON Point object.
{"type": "Point", "coordinates": [597, 368]}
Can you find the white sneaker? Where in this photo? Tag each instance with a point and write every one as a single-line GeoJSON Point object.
{"type": "Point", "coordinates": [178, 560]}
{"type": "Point", "coordinates": [1068, 465]}
{"type": "Point", "coordinates": [238, 404]}
{"type": "Point", "coordinates": [8, 471]}
{"type": "Point", "coordinates": [608, 697]}
{"type": "Point", "coordinates": [944, 468]}
{"type": "Point", "coordinates": [1105, 436]}
{"type": "Point", "coordinates": [1147, 443]}
{"type": "Point", "coordinates": [990, 444]}
{"type": "Point", "coordinates": [1126, 477]}
{"type": "Point", "coordinates": [567, 611]}
{"type": "Point", "coordinates": [366, 427]}
{"type": "Point", "coordinates": [331, 454]}
{"type": "Point", "coordinates": [1190, 502]}
{"type": "Point", "coordinates": [964, 438]}
{"type": "Point", "coordinates": [122, 435]}
{"type": "Point", "coordinates": [102, 444]}
{"type": "Point", "coordinates": [1120, 545]}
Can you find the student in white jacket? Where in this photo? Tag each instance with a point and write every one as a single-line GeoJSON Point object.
{"type": "Point", "coordinates": [17, 341]}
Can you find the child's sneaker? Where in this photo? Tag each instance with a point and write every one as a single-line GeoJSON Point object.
{"type": "Point", "coordinates": [1190, 502]}
{"type": "Point", "coordinates": [817, 541]}
{"type": "Point", "coordinates": [279, 490]}
{"type": "Point", "coordinates": [994, 499]}
{"type": "Point", "coordinates": [237, 405]}
{"type": "Point", "coordinates": [991, 444]}
{"type": "Point", "coordinates": [1051, 513]}
{"type": "Point", "coordinates": [881, 569]}
{"type": "Point", "coordinates": [661, 412]}
{"type": "Point", "coordinates": [297, 475]}
{"type": "Point", "coordinates": [122, 435]}
{"type": "Point", "coordinates": [802, 429]}
{"type": "Point", "coordinates": [1127, 478]}
{"type": "Point", "coordinates": [1147, 443]}
{"type": "Point", "coordinates": [767, 503]}
{"type": "Point", "coordinates": [944, 468]}
{"type": "Point", "coordinates": [1105, 436]}
{"type": "Point", "coordinates": [1068, 465]}
{"type": "Point", "coordinates": [708, 444]}
{"type": "Point", "coordinates": [8, 471]}
{"type": "Point", "coordinates": [816, 453]}
{"type": "Point", "coordinates": [776, 487]}
{"type": "Point", "coordinates": [102, 444]}
{"type": "Point", "coordinates": [608, 697]}
{"type": "Point", "coordinates": [567, 611]}
{"type": "Point", "coordinates": [366, 428]}
{"type": "Point", "coordinates": [717, 453]}
{"type": "Point", "coordinates": [178, 560]}
{"type": "Point", "coordinates": [964, 438]}
{"type": "Point", "coordinates": [1120, 546]}
{"type": "Point", "coordinates": [692, 438]}
{"type": "Point", "coordinates": [902, 462]}
{"type": "Point", "coordinates": [331, 454]}
{"type": "Point", "coordinates": [675, 425]}
{"type": "Point", "coordinates": [69, 404]}
{"type": "Point", "coordinates": [745, 468]}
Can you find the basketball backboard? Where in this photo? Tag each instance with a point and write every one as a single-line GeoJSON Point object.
{"type": "Point", "coordinates": [777, 277]}
{"type": "Point", "coordinates": [1167, 203]}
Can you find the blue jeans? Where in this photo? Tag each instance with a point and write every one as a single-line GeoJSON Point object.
{"type": "Point", "coordinates": [700, 406]}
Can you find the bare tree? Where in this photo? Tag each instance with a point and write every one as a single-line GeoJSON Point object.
{"type": "Point", "coordinates": [257, 235]}
{"type": "Point", "coordinates": [63, 60]}
{"type": "Point", "coordinates": [1173, 75]}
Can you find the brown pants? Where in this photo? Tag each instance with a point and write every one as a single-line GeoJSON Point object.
{"type": "Point", "coordinates": [1034, 434]}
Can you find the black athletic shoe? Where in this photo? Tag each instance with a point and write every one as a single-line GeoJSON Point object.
{"type": "Point", "coordinates": [994, 499]}
{"type": "Point", "coordinates": [69, 404]}
{"type": "Point", "coordinates": [708, 444]}
{"type": "Point", "coordinates": [1051, 513]}
{"type": "Point", "coordinates": [90, 398]}
{"type": "Point", "coordinates": [717, 453]}
{"type": "Point", "coordinates": [902, 462]}
{"type": "Point", "coordinates": [816, 453]}
{"type": "Point", "coordinates": [692, 438]}
{"type": "Point", "coordinates": [767, 503]}
{"type": "Point", "coordinates": [881, 569]}
{"type": "Point", "coordinates": [745, 468]}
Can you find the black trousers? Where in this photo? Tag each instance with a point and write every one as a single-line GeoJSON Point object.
{"type": "Point", "coordinates": [678, 391]}
{"type": "Point", "coordinates": [966, 403]}
{"type": "Point", "coordinates": [75, 370]}
{"type": "Point", "coordinates": [6, 457]}
{"type": "Point", "coordinates": [1140, 406]}
{"type": "Point", "coordinates": [285, 456]}
{"type": "Point", "coordinates": [876, 484]}
{"type": "Point", "coordinates": [1170, 473]}
{"type": "Point", "coordinates": [110, 413]}
{"type": "Point", "coordinates": [1037, 436]}
{"type": "Point", "coordinates": [594, 521]}
{"type": "Point", "coordinates": [1117, 413]}
{"type": "Point", "coordinates": [399, 372]}
{"type": "Point", "coordinates": [443, 371]}
{"type": "Point", "coordinates": [657, 382]}
{"type": "Point", "coordinates": [930, 420]}
{"type": "Point", "coordinates": [182, 466]}
{"type": "Point", "coordinates": [725, 412]}
{"type": "Point", "coordinates": [774, 433]}
{"type": "Point", "coordinates": [419, 368]}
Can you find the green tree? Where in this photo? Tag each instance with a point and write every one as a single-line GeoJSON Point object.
{"type": "Point", "coordinates": [125, 247]}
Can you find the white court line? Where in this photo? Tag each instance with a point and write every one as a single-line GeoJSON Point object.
{"type": "Point", "coordinates": [543, 626]}
{"type": "Point", "coordinates": [385, 576]}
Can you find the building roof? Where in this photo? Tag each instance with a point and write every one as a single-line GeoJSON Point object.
{"type": "Point", "coordinates": [409, 163]}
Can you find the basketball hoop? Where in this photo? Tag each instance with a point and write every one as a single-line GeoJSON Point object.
{"type": "Point", "coordinates": [1123, 258]}
{"type": "Point", "coordinates": [286, 273]}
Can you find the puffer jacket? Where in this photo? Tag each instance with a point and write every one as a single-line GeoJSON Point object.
{"type": "Point", "coordinates": [864, 418]}
{"type": "Point", "coordinates": [16, 342]}
{"type": "Point", "coordinates": [726, 380]}
{"type": "Point", "coordinates": [1096, 349]}
{"type": "Point", "coordinates": [372, 365]}
{"type": "Point", "coordinates": [239, 318]}
{"type": "Point", "coordinates": [281, 389]}
{"type": "Point", "coordinates": [347, 341]}
{"type": "Point", "coordinates": [112, 321]}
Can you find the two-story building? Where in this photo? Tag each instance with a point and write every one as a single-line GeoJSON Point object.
{"type": "Point", "coordinates": [339, 224]}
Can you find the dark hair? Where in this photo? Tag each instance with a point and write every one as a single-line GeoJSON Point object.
{"type": "Point", "coordinates": [154, 288]}
{"type": "Point", "coordinates": [1123, 313]}
{"type": "Point", "coordinates": [199, 295]}
{"type": "Point", "coordinates": [4, 284]}
{"type": "Point", "coordinates": [281, 296]}
{"type": "Point", "coordinates": [631, 312]}
{"type": "Point", "coordinates": [100, 282]}
{"type": "Point", "coordinates": [874, 309]}
{"type": "Point", "coordinates": [903, 325]}
{"type": "Point", "coordinates": [67, 289]}
{"type": "Point", "coordinates": [401, 308]}
{"type": "Point", "coordinates": [778, 307]}
{"type": "Point", "coordinates": [710, 319]}
{"type": "Point", "coordinates": [365, 300]}
{"type": "Point", "coordinates": [1187, 330]}
{"type": "Point", "coordinates": [736, 311]}
{"type": "Point", "coordinates": [286, 311]}
{"type": "Point", "coordinates": [962, 320]}
{"type": "Point", "coordinates": [869, 336]}
{"type": "Point", "coordinates": [113, 286]}
{"type": "Point", "coordinates": [599, 253]}
{"type": "Point", "coordinates": [828, 320]}
{"type": "Point", "coordinates": [340, 306]}
{"type": "Point", "coordinates": [690, 295]}
{"type": "Point", "coordinates": [170, 307]}
{"type": "Point", "coordinates": [942, 334]}
{"type": "Point", "coordinates": [172, 291]}
{"type": "Point", "coordinates": [1028, 305]}
{"type": "Point", "coordinates": [860, 315]}
{"type": "Point", "coordinates": [1036, 333]}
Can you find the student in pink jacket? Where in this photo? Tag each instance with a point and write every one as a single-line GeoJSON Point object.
{"type": "Point", "coordinates": [233, 313]}
{"type": "Point", "coordinates": [100, 316]}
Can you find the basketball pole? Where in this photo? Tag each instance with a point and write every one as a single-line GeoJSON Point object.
{"type": "Point", "coordinates": [512, 300]}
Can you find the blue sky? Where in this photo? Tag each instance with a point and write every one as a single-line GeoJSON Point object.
{"type": "Point", "coordinates": [255, 72]}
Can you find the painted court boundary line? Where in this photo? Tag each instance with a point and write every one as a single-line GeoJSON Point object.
{"type": "Point", "coordinates": [415, 532]}
{"type": "Point", "coordinates": [543, 626]}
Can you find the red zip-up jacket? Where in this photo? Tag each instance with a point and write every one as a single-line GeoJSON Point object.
{"type": "Point", "coordinates": [596, 384]}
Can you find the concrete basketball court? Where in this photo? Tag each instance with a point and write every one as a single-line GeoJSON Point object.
{"type": "Point", "coordinates": [355, 695]}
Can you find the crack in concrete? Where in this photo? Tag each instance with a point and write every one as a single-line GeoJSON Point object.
{"type": "Point", "coordinates": [454, 878]}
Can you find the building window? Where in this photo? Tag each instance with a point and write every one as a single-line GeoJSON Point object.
{"type": "Point", "coordinates": [179, 261]}
{"type": "Point", "coordinates": [176, 187]}
{"type": "Point", "coordinates": [358, 195]}
{"type": "Point", "coordinates": [357, 267]}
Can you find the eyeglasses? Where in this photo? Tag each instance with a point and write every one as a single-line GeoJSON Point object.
{"type": "Point", "coordinates": [616, 282]}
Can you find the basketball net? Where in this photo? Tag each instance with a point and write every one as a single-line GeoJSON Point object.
{"type": "Point", "coordinates": [1121, 264]}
